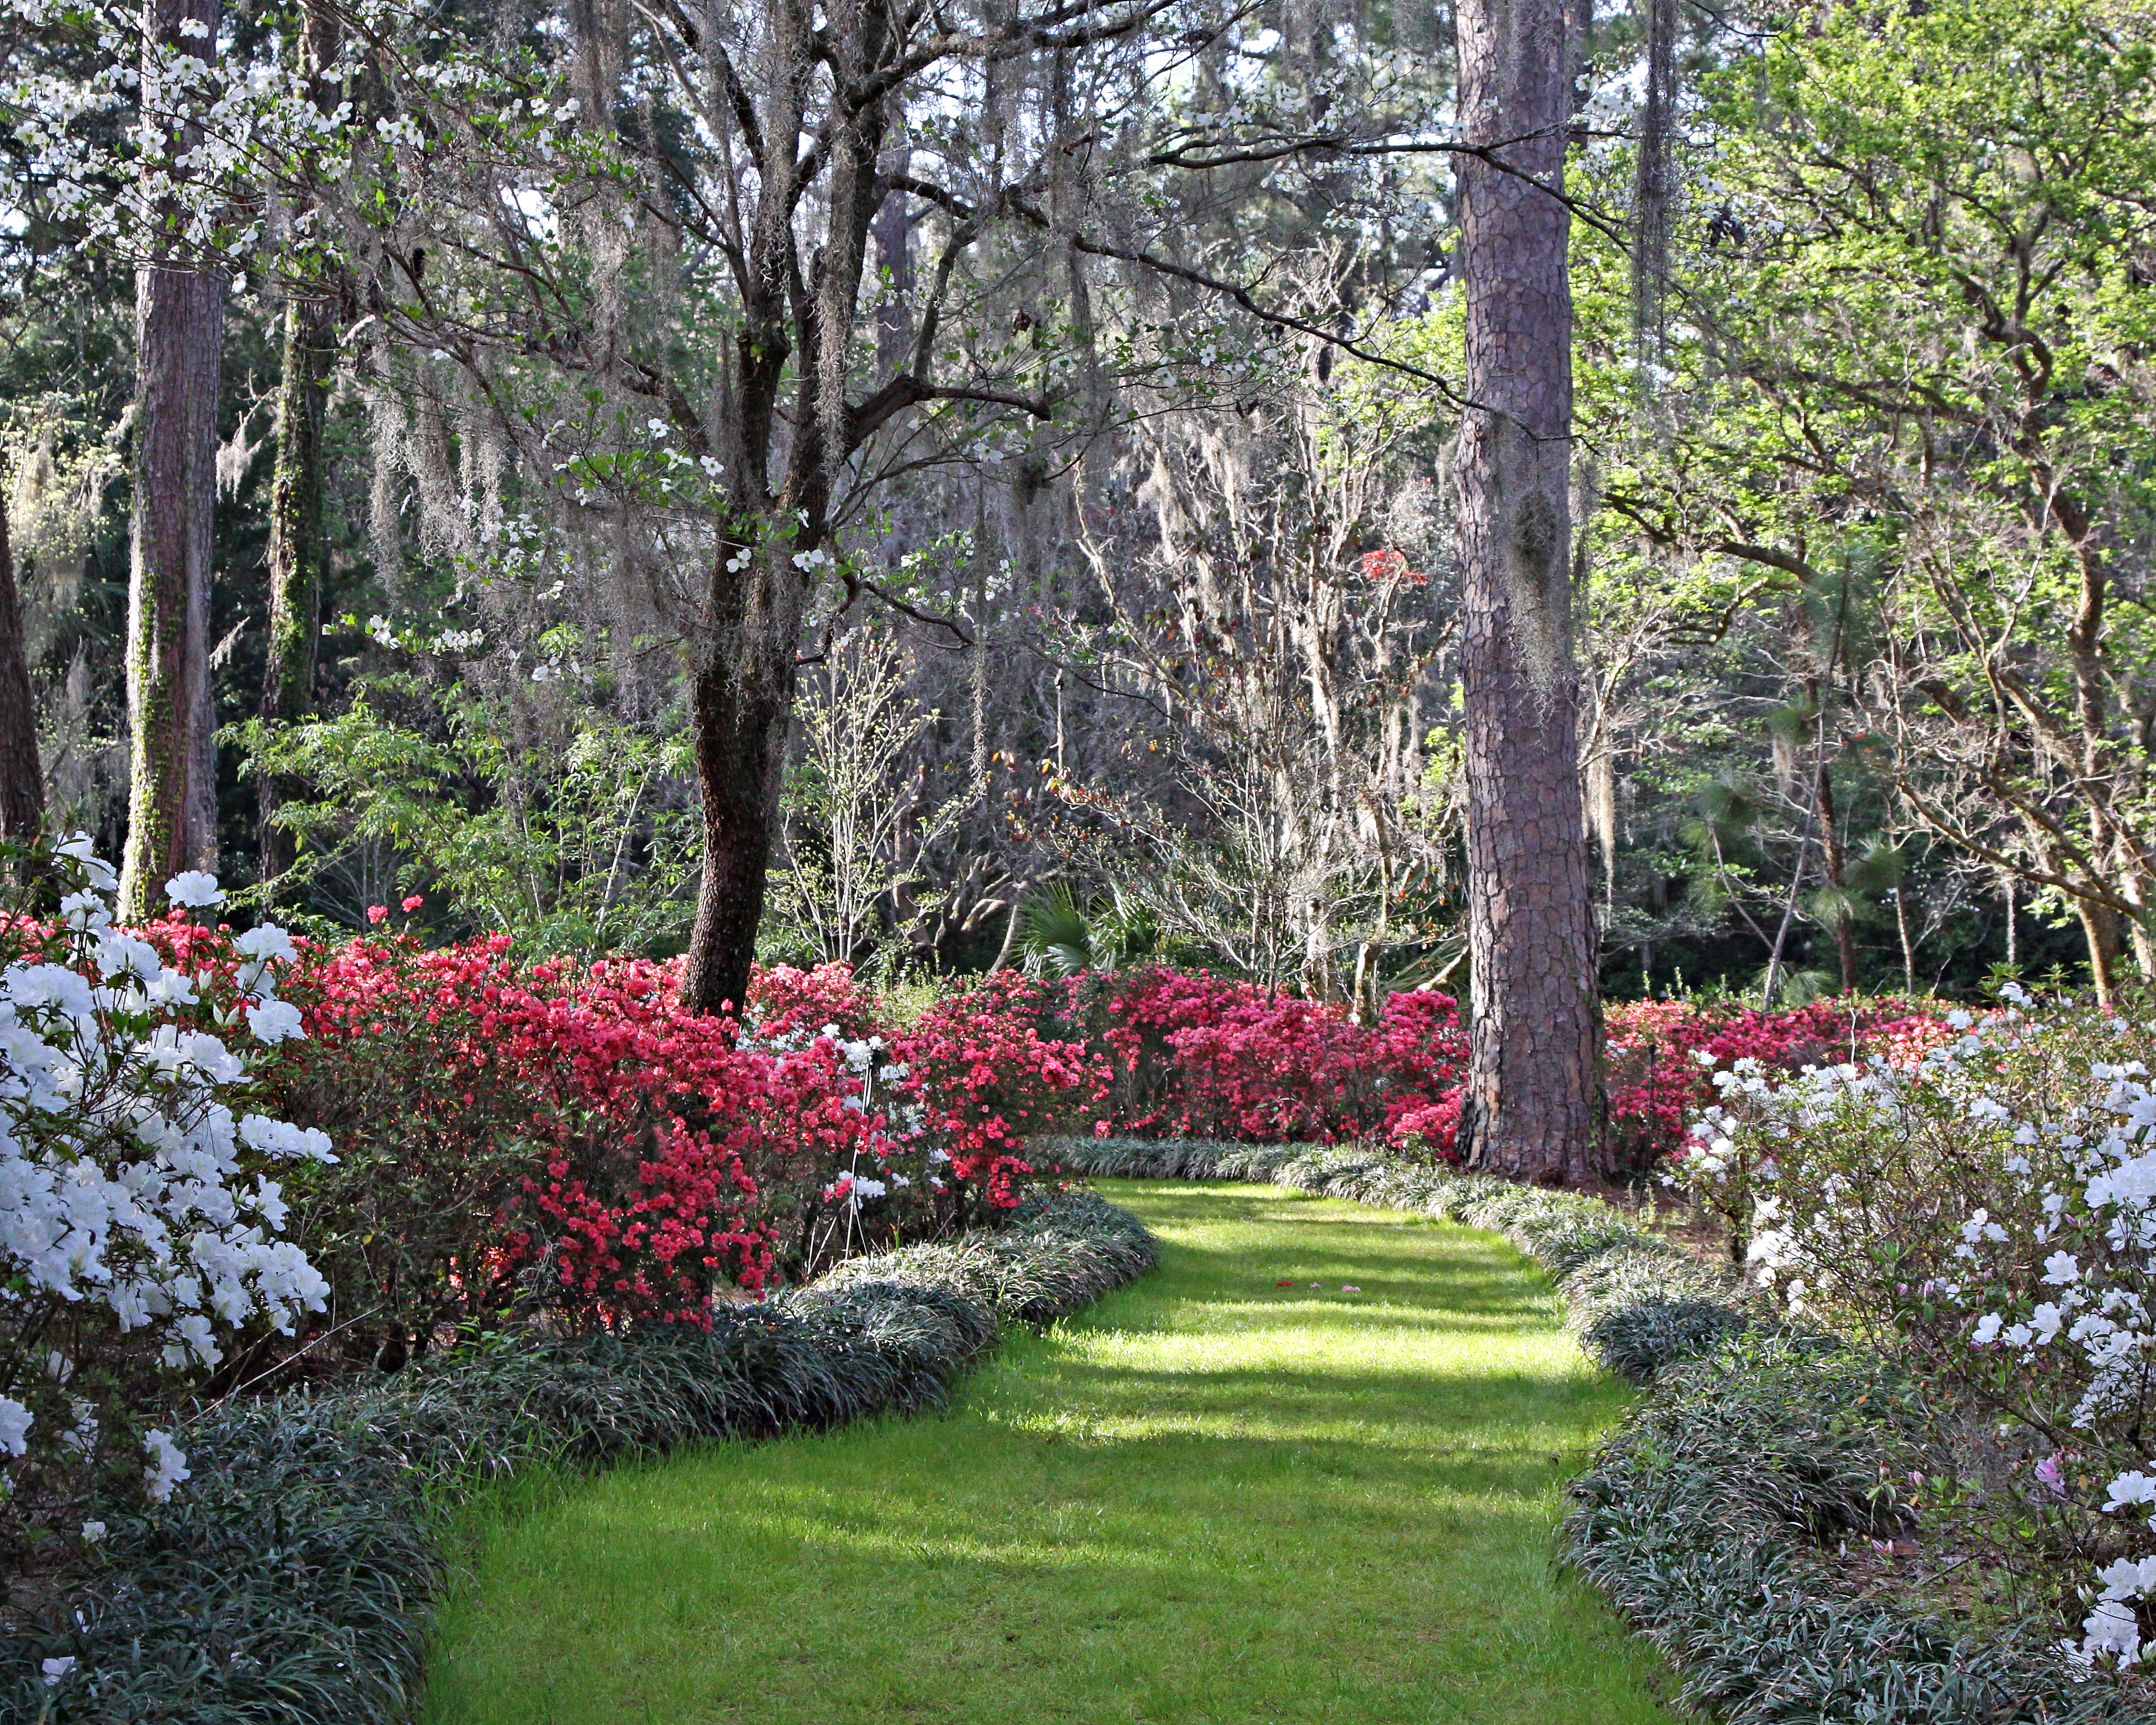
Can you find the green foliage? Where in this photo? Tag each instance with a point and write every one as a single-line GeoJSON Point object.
{"type": "Point", "coordinates": [557, 822]}
{"type": "Point", "coordinates": [1869, 520]}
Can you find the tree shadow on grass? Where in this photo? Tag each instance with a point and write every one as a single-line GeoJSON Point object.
{"type": "Point", "coordinates": [1202, 1503]}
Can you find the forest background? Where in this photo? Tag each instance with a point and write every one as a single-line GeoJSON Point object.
{"type": "Point", "coordinates": [1127, 624]}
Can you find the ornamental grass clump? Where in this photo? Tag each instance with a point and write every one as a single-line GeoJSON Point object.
{"type": "Point", "coordinates": [1986, 1216]}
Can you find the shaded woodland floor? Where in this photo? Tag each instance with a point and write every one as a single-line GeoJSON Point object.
{"type": "Point", "coordinates": [1208, 1501]}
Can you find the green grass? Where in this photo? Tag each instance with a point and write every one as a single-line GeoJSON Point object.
{"type": "Point", "coordinates": [1210, 1499]}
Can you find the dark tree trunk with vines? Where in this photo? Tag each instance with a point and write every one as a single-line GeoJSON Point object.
{"type": "Point", "coordinates": [295, 554]}
{"type": "Point", "coordinates": [21, 778]}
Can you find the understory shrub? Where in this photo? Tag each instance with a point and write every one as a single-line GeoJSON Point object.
{"type": "Point", "coordinates": [515, 1135]}
{"type": "Point", "coordinates": [142, 1188]}
{"type": "Point", "coordinates": [290, 1584]}
{"type": "Point", "coordinates": [1988, 1216]}
{"type": "Point", "coordinates": [1717, 1517]}
{"type": "Point", "coordinates": [1660, 1055]}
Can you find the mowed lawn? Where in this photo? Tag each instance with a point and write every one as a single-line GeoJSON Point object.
{"type": "Point", "coordinates": [1210, 1500]}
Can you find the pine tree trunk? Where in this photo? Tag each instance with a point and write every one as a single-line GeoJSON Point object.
{"type": "Point", "coordinates": [1534, 1094]}
{"type": "Point", "coordinates": [21, 779]}
{"type": "Point", "coordinates": [295, 554]}
{"type": "Point", "coordinates": [179, 323]}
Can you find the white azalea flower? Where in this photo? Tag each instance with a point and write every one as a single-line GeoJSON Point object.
{"type": "Point", "coordinates": [192, 889]}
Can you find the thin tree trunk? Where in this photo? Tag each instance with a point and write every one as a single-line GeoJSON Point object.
{"type": "Point", "coordinates": [1650, 191]}
{"type": "Point", "coordinates": [295, 554]}
{"type": "Point", "coordinates": [895, 262]}
{"type": "Point", "coordinates": [21, 779]}
{"type": "Point", "coordinates": [295, 499]}
{"type": "Point", "coordinates": [1908, 948]}
{"type": "Point", "coordinates": [2100, 923]}
{"type": "Point", "coordinates": [1533, 1103]}
{"type": "Point", "coordinates": [179, 323]}
{"type": "Point", "coordinates": [1844, 933]}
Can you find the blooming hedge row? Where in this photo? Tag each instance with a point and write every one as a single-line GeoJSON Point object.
{"type": "Point", "coordinates": [1988, 1216]}
{"type": "Point", "coordinates": [1158, 1052]}
{"type": "Point", "coordinates": [567, 1135]}
{"type": "Point", "coordinates": [231, 1161]}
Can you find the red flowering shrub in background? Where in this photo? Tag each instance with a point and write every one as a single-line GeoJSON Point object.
{"type": "Point", "coordinates": [1203, 1056]}
{"type": "Point", "coordinates": [512, 1131]}
{"type": "Point", "coordinates": [1657, 1080]}
{"type": "Point", "coordinates": [515, 1133]}
{"type": "Point", "coordinates": [1206, 1057]}
{"type": "Point", "coordinates": [787, 1004]}
{"type": "Point", "coordinates": [984, 1080]}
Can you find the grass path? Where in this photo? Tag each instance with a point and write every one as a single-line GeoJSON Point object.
{"type": "Point", "coordinates": [1210, 1501]}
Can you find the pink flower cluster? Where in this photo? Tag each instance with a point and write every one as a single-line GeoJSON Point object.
{"type": "Point", "coordinates": [986, 1079]}
{"type": "Point", "coordinates": [786, 1004]}
{"type": "Point", "coordinates": [1208, 1057]}
{"type": "Point", "coordinates": [648, 1132]}
{"type": "Point", "coordinates": [587, 1135]}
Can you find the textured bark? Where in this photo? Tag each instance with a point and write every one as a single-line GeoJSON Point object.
{"type": "Point", "coordinates": [1533, 1103]}
{"type": "Point", "coordinates": [2099, 929]}
{"type": "Point", "coordinates": [295, 554]}
{"type": "Point", "coordinates": [21, 779]}
{"type": "Point", "coordinates": [179, 332]}
{"type": "Point", "coordinates": [742, 707]}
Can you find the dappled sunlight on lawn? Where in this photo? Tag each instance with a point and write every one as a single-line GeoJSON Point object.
{"type": "Point", "coordinates": [1213, 1499]}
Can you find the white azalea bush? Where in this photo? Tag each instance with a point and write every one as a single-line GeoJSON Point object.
{"type": "Point", "coordinates": [140, 1201]}
{"type": "Point", "coordinates": [1989, 1213]}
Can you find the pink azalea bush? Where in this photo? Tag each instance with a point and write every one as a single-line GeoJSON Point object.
{"type": "Point", "coordinates": [518, 1133]}
{"type": "Point", "coordinates": [1208, 1057]}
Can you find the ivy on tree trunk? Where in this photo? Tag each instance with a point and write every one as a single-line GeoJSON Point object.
{"type": "Point", "coordinates": [179, 324]}
{"type": "Point", "coordinates": [21, 780]}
